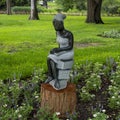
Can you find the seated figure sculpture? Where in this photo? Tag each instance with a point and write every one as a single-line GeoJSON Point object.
{"type": "Point", "coordinates": [60, 60]}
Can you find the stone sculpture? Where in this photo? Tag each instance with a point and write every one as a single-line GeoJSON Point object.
{"type": "Point", "coordinates": [60, 60]}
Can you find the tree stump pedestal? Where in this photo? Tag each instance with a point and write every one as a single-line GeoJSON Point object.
{"type": "Point", "coordinates": [61, 101]}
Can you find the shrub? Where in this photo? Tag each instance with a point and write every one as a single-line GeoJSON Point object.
{"type": "Point", "coordinates": [111, 34]}
{"type": "Point", "coordinates": [22, 9]}
{"type": "Point", "coordinates": [99, 116]}
{"type": "Point", "coordinates": [114, 89]}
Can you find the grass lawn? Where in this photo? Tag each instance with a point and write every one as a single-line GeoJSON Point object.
{"type": "Point", "coordinates": [25, 44]}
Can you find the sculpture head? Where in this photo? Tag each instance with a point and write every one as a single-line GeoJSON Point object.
{"type": "Point", "coordinates": [58, 22]}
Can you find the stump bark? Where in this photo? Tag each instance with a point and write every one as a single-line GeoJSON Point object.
{"type": "Point", "coordinates": [62, 101]}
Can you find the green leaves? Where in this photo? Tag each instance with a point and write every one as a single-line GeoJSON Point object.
{"type": "Point", "coordinates": [19, 98]}
{"type": "Point", "coordinates": [111, 34]}
{"type": "Point", "coordinates": [114, 89]}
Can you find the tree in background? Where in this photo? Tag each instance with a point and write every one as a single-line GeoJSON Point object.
{"type": "Point", "coordinates": [65, 4]}
{"type": "Point", "coordinates": [14, 3]}
{"type": "Point", "coordinates": [45, 3]}
{"type": "Point", "coordinates": [34, 12]}
{"type": "Point", "coordinates": [80, 4]}
{"type": "Point", "coordinates": [21, 2]}
{"type": "Point", "coordinates": [93, 8]}
{"type": "Point", "coordinates": [94, 11]}
{"type": "Point", "coordinates": [2, 4]}
{"type": "Point", "coordinates": [8, 4]}
{"type": "Point", "coordinates": [70, 4]}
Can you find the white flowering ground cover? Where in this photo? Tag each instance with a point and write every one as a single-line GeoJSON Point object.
{"type": "Point", "coordinates": [99, 90]}
{"type": "Point", "coordinates": [98, 94]}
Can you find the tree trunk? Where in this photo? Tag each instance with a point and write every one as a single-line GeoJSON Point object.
{"type": "Point", "coordinates": [61, 101]}
{"type": "Point", "coordinates": [8, 3]}
{"type": "Point", "coordinates": [45, 3]}
{"type": "Point", "coordinates": [94, 11]}
{"type": "Point", "coordinates": [34, 12]}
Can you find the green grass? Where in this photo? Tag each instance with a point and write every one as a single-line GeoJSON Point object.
{"type": "Point", "coordinates": [25, 44]}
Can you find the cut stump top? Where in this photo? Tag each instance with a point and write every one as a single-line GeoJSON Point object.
{"type": "Point", "coordinates": [70, 88]}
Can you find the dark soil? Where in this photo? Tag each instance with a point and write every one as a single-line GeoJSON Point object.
{"type": "Point", "coordinates": [83, 45]}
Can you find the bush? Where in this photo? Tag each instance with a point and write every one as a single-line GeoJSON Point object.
{"type": "Point", "coordinates": [19, 9]}
{"type": "Point", "coordinates": [111, 34]}
{"type": "Point", "coordinates": [26, 9]}
{"type": "Point", "coordinates": [113, 9]}
{"type": "Point", "coordinates": [43, 9]}
{"type": "Point", "coordinates": [22, 9]}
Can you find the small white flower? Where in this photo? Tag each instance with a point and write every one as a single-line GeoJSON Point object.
{"type": "Point", "coordinates": [10, 87]}
{"type": "Point", "coordinates": [117, 73]}
{"type": "Point", "coordinates": [23, 104]}
{"type": "Point", "coordinates": [36, 77]}
{"type": "Point", "coordinates": [1, 82]}
{"type": "Point", "coordinates": [115, 87]}
{"type": "Point", "coordinates": [95, 115]}
{"type": "Point", "coordinates": [57, 113]}
{"type": "Point", "coordinates": [92, 95]}
{"type": "Point", "coordinates": [17, 111]}
{"type": "Point", "coordinates": [112, 81]}
{"type": "Point", "coordinates": [98, 76]}
{"type": "Point", "coordinates": [5, 105]}
{"type": "Point", "coordinates": [14, 80]}
{"type": "Point", "coordinates": [84, 91]}
{"type": "Point", "coordinates": [117, 76]}
{"type": "Point", "coordinates": [19, 116]}
{"type": "Point", "coordinates": [107, 116]}
{"type": "Point", "coordinates": [110, 87]}
{"type": "Point", "coordinates": [103, 110]}
{"type": "Point", "coordinates": [21, 107]}
{"type": "Point", "coordinates": [118, 102]}
{"type": "Point", "coordinates": [94, 85]}
{"type": "Point", "coordinates": [113, 97]}
{"type": "Point", "coordinates": [36, 96]}
{"type": "Point", "coordinates": [98, 113]}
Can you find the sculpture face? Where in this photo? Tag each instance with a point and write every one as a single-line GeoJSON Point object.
{"type": "Point", "coordinates": [58, 25]}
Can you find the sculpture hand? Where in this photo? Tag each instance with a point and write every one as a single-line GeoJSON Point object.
{"type": "Point", "coordinates": [54, 50]}
{"type": "Point", "coordinates": [51, 51]}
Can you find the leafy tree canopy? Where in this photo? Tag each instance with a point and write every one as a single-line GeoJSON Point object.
{"type": "Point", "coordinates": [70, 4]}
{"type": "Point", "coordinates": [14, 3]}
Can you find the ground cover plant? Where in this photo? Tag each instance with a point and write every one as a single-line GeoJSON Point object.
{"type": "Point", "coordinates": [99, 90]}
{"type": "Point", "coordinates": [24, 46]}
{"type": "Point", "coordinates": [111, 34]}
{"type": "Point", "coordinates": [98, 95]}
